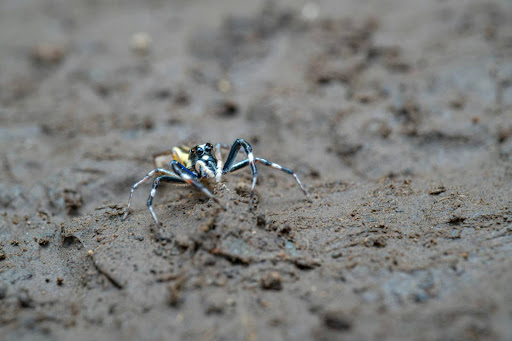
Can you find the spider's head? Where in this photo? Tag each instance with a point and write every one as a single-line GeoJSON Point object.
{"type": "Point", "coordinates": [201, 152]}
{"type": "Point", "coordinates": [203, 160]}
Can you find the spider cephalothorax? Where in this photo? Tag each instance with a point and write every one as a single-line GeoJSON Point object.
{"type": "Point", "coordinates": [189, 165]}
{"type": "Point", "coordinates": [202, 161]}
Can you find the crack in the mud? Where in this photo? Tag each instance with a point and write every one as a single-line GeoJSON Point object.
{"type": "Point", "coordinates": [68, 240]}
{"type": "Point", "coordinates": [115, 282]}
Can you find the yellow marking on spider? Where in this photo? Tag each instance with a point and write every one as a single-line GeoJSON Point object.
{"type": "Point", "coordinates": [181, 154]}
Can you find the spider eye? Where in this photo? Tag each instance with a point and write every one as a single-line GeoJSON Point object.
{"type": "Point", "coordinates": [199, 151]}
{"type": "Point", "coordinates": [208, 148]}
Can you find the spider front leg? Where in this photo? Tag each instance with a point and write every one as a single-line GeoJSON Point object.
{"type": "Point", "coordinates": [218, 156]}
{"type": "Point", "coordinates": [157, 171]}
{"type": "Point", "coordinates": [250, 160]}
{"type": "Point", "coordinates": [287, 171]}
{"type": "Point", "coordinates": [244, 163]}
{"type": "Point", "coordinates": [165, 178]}
{"type": "Point", "coordinates": [190, 178]}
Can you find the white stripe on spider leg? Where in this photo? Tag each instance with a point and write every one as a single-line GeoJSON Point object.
{"type": "Point", "coordinates": [276, 166]}
{"type": "Point", "coordinates": [140, 182]}
{"type": "Point", "coordinates": [154, 215]}
{"type": "Point", "coordinates": [191, 181]}
{"type": "Point", "coordinates": [220, 163]}
{"type": "Point", "coordinates": [208, 171]}
{"type": "Point", "coordinates": [218, 172]}
{"type": "Point", "coordinates": [218, 152]}
{"type": "Point", "coordinates": [286, 170]}
{"type": "Point", "coordinates": [301, 187]}
{"type": "Point", "coordinates": [250, 156]}
{"type": "Point", "coordinates": [150, 200]}
{"type": "Point", "coordinates": [245, 163]}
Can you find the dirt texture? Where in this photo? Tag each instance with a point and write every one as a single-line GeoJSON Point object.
{"type": "Point", "coordinates": [396, 116]}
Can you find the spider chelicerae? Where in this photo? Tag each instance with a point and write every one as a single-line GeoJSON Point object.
{"type": "Point", "coordinates": [189, 165]}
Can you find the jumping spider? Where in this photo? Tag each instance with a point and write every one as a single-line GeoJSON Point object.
{"type": "Point", "coordinates": [189, 165]}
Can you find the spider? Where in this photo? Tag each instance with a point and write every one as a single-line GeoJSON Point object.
{"type": "Point", "coordinates": [189, 165]}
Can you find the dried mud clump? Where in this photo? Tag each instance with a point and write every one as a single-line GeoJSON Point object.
{"type": "Point", "coordinates": [271, 281]}
{"type": "Point", "coordinates": [336, 319]}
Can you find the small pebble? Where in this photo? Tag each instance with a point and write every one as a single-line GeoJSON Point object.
{"type": "Point", "coordinates": [46, 53]}
{"type": "Point", "coordinates": [215, 304]}
{"type": "Point", "coordinates": [271, 280]}
{"type": "Point", "coordinates": [24, 299]}
{"type": "Point", "coordinates": [43, 241]}
{"type": "Point", "coordinates": [224, 85]}
{"type": "Point", "coordinates": [336, 319]}
{"type": "Point", "coordinates": [141, 43]}
{"type": "Point", "coordinates": [260, 220]}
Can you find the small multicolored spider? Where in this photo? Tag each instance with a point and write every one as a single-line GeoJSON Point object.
{"type": "Point", "coordinates": [189, 165]}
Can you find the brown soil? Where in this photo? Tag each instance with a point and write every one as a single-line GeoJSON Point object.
{"type": "Point", "coordinates": [396, 115]}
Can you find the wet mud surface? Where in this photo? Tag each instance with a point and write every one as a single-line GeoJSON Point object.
{"type": "Point", "coordinates": [397, 117]}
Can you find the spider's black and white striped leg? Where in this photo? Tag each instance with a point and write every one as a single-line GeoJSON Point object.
{"type": "Point", "coordinates": [244, 163]}
{"type": "Point", "coordinates": [157, 171]}
{"type": "Point", "coordinates": [165, 178]}
{"type": "Point", "coordinates": [286, 170]}
{"type": "Point", "coordinates": [250, 159]}
{"type": "Point", "coordinates": [191, 179]}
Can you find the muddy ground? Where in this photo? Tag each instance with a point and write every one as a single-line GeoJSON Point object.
{"type": "Point", "coordinates": [396, 115]}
